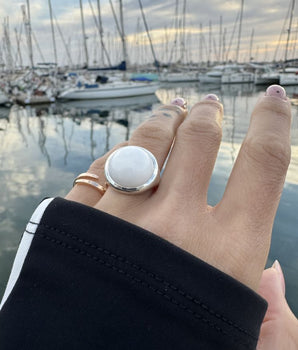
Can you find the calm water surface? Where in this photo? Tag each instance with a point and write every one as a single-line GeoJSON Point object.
{"type": "Point", "coordinates": [42, 149]}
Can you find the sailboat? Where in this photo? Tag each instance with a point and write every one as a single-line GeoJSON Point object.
{"type": "Point", "coordinates": [108, 90]}
{"type": "Point", "coordinates": [117, 89]}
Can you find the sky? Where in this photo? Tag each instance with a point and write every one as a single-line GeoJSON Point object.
{"type": "Point", "coordinates": [200, 41]}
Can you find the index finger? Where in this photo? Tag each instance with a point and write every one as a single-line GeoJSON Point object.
{"type": "Point", "coordinates": [254, 188]}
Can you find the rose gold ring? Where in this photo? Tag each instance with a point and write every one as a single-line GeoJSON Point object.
{"type": "Point", "coordinates": [88, 179]}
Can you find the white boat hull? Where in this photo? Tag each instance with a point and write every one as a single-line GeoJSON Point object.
{"type": "Point", "coordinates": [130, 102]}
{"type": "Point", "coordinates": [288, 79]}
{"type": "Point", "coordinates": [266, 79]}
{"type": "Point", "coordinates": [106, 91]}
{"type": "Point", "coordinates": [24, 99]}
{"type": "Point", "coordinates": [3, 99]}
{"type": "Point", "coordinates": [179, 77]}
{"type": "Point", "coordinates": [237, 78]}
{"type": "Point", "coordinates": [209, 79]}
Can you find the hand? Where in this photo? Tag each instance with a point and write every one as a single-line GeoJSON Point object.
{"type": "Point", "coordinates": [234, 236]}
{"type": "Point", "coordinates": [279, 330]}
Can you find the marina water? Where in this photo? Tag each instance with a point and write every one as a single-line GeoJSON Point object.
{"type": "Point", "coordinates": [42, 149]}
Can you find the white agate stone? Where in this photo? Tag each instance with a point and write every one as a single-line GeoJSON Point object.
{"type": "Point", "coordinates": [131, 166]}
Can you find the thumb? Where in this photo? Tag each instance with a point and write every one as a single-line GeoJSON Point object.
{"type": "Point", "coordinates": [272, 288]}
{"type": "Point", "coordinates": [279, 328]}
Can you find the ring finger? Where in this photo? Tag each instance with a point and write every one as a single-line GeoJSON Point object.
{"type": "Point", "coordinates": [156, 135]}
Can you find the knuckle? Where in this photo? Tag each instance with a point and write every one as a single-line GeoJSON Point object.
{"type": "Point", "coordinates": [204, 129]}
{"type": "Point", "coordinates": [269, 152]}
{"type": "Point", "coordinates": [153, 131]}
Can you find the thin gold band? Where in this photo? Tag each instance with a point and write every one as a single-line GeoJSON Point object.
{"type": "Point", "coordinates": [88, 175]}
{"type": "Point", "coordinates": [91, 183]}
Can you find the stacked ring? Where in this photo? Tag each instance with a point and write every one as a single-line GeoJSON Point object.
{"type": "Point", "coordinates": [88, 179]}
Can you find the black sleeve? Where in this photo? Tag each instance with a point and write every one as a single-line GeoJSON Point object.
{"type": "Point", "coordinates": [93, 281]}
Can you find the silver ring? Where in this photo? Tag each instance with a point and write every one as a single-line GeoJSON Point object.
{"type": "Point", "coordinates": [132, 169]}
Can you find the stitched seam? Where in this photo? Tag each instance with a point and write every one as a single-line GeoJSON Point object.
{"type": "Point", "coordinates": [152, 275]}
{"type": "Point", "coordinates": [143, 283]}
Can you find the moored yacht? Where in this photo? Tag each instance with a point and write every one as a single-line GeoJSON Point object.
{"type": "Point", "coordinates": [115, 89]}
{"type": "Point", "coordinates": [4, 99]}
{"type": "Point", "coordinates": [264, 75]}
{"type": "Point", "coordinates": [213, 76]}
{"type": "Point", "coordinates": [236, 74]}
{"type": "Point", "coordinates": [289, 76]}
{"type": "Point", "coordinates": [168, 77]}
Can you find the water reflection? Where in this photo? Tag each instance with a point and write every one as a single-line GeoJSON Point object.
{"type": "Point", "coordinates": [43, 148]}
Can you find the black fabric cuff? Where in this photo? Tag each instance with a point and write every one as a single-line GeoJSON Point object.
{"type": "Point", "coordinates": [93, 281]}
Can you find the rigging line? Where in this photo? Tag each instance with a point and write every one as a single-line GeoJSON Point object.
{"type": "Point", "coordinates": [183, 37]}
{"type": "Point", "coordinates": [289, 30]}
{"type": "Point", "coordinates": [38, 47]}
{"type": "Point", "coordinates": [281, 32]}
{"type": "Point", "coordinates": [100, 28]}
{"type": "Point", "coordinates": [239, 33]}
{"type": "Point", "coordinates": [53, 34]}
{"type": "Point", "coordinates": [148, 34]}
{"type": "Point", "coordinates": [18, 39]}
{"type": "Point", "coordinates": [100, 31]}
{"type": "Point", "coordinates": [116, 20]}
{"type": "Point", "coordinates": [232, 36]}
{"type": "Point", "coordinates": [176, 24]}
{"type": "Point", "coordinates": [63, 40]}
{"type": "Point", "coordinates": [93, 14]}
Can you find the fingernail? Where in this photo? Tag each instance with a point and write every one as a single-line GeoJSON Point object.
{"type": "Point", "coordinates": [179, 101]}
{"type": "Point", "coordinates": [277, 267]}
{"type": "Point", "coordinates": [276, 91]}
{"type": "Point", "coordinates": [211, 97]}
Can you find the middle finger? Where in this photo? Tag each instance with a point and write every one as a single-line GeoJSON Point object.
{"type": "Point", "coordinates": [192, 159]}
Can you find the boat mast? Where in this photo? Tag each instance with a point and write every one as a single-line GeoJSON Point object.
{"type": "Point", "coordinates": [28, 24]}
{"type": "Point", "coordinates": [183, 36]}
{"type": "Point", "coordinates": [251, 44]}
{"type": "Point", "coordinates": [84, 35]}
{"type": "Point", "coordinates": [220, 39]}
{"type": "Point", "coordinates": [18, 36]}
{"type": "Point", "coordinates": [289, 30]}
{"type": "Point", "coordinates": [123, 39]}
{"type": "Point", "coordinates": [173, 54]}
{"type": "Point", "coordinates": [239, 33]}
{"type": "Point", "coordinates": [9, 59]}
{"type": "Point", "coordinates": [53, 33]}
{"type": "Point", "coordinates": [210, 43]}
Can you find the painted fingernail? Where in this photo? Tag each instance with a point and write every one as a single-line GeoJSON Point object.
{"type": "Point", "coordinates": [276, 91]}
{"type": "Point", "coordinates": [211, 97]}
{"type": "Point", "coordinates": [179, 101]}
{"type": "Point", "coordinates": [277, 267]}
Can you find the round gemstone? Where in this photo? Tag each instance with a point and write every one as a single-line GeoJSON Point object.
{"type": "Point", "coordinates": [131, 166]}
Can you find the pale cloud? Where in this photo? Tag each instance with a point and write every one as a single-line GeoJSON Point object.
{"type": "Point", "coordinates": [265, 19]}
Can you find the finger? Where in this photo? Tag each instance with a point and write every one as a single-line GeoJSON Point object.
{"type": "Point", "coordinates": [272, 288]}
{"type": "Point", "coordinates": [87, 194]}
{"type": "Point", "coordinates": [156, 135]}
{"type": "Point", "coordinates": [256, 182]}
{"type": "Point", "coordinates": [192, 159]}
